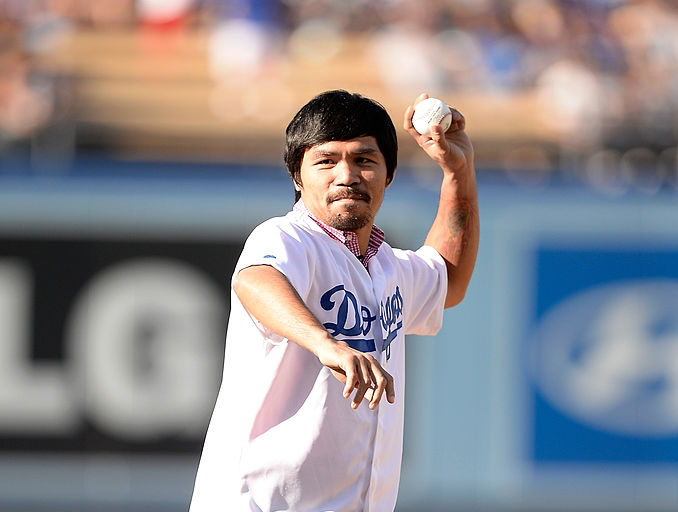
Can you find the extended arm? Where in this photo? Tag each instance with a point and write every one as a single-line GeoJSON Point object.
{"type": "Point", "coordinates": [455, 230]}
{"type": "Point", "coordinates": [270, 298]}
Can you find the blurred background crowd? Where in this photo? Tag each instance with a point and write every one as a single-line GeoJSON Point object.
{"type": "Point", "coordinates": [589, 87]}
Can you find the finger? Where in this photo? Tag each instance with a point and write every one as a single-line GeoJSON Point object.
{"type": "Point", "coordinates": [390, 389]}
{"type": "Point", "coordinates": [378, 390]}
{"type": "Point", "coordinates": [360, 392]}
{"type": "Point", "coordinates": [364, 382]}
{"type": "Point", "coordinates": [340, 376]}
{"type": "Point", "coordinates": [438, 135]}
{"type": "Point", "coordinates": [409, 112]}
{"type": "Point", "coordinates": [409, 128]}
{"type": "Point", "coordinates": [407, 119]}
{"type": "Point", "coordinates": [384, 383]}
{"type": "Point", "coordinates": [458, 120]}
{"type": "Point", "coordinates": [369, 395]}
{"type": "Point", "coordinates": [351, 382]}
{"type": "Point", "coordinates": [420, 98]}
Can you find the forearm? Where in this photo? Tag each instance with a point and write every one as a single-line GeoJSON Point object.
{"type": "Point", "coordinates": [270, 298]}
{"type": "Point", "coordinates": [455, 230]}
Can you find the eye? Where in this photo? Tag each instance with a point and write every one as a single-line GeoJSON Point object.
{"type": "Point", "coordinates": [324, 162]}
{"type": "Point", "coordinates": [364, 160]}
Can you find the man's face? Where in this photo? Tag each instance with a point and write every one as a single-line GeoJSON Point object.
{"type": "Point", "coordinates": [343, 182]}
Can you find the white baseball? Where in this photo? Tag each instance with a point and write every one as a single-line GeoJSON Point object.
{"type": "Point", "coordinates": [429, 112]}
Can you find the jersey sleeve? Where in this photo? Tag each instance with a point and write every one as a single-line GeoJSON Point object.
{"type": "Point", "coordinates": [277, 244]}
{"type": "Point", "coordinates": [424, 278]}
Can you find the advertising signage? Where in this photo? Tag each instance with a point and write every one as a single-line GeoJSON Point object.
{"type": "Point", "coordinates": [110, 344]}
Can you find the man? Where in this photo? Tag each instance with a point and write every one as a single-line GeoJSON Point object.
{"type": "Point", "coordinates": [320, 309]}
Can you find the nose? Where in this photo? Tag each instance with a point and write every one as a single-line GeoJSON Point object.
{"type": "Point", "coordinates": [346, 174]}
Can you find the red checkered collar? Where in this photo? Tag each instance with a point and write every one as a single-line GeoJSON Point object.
{"type": "Point", "coordinates": [348, 238]}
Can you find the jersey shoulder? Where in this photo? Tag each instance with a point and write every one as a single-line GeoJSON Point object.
{"type": "Point", "coordinates": [293, 223]}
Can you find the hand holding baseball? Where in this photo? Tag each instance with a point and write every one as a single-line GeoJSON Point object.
{"type": "Point", "coordinates": [450, 147]}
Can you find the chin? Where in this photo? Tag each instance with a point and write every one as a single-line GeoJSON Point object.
{"type": "Point", "coordinates": [349, 221]}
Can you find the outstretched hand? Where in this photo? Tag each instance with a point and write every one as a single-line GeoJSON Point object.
{"type": "Point", "coordinates": [357, 371]}
{"type": "Point", "coordinates": [452, 149]}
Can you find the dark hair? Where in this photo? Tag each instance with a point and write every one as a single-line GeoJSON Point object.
{"type": "Point", "coordinates": [339, 115]}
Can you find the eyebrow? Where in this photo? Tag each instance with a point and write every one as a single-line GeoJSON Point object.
{"type": "Point", "coordinates": [363, 150]}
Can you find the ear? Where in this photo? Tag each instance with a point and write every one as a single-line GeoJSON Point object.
{"type": "Point", "coordinates": [390, 180]}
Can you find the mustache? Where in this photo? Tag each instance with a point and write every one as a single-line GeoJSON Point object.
{"type": "Point", "coordinates": [348, 193]}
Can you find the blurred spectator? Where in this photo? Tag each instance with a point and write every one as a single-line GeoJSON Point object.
{"type": "Point", "coordinates": [647, 33]}
{"type": "Point", "coordinates": [25, 108]}
{"type": "Point", "coordinates": [163, 12]}
{"type": "Point", "coordinates": [245, 38]}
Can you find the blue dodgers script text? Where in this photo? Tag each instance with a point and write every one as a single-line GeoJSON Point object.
{"type": "Point", "coordinates": [354, 321]}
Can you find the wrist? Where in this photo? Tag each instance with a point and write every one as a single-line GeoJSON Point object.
{"type": "Point", "coordinates": [320, 343]}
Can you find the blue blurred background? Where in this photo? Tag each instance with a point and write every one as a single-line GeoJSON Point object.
{"type": "Point", "coordinates": [141, 140]}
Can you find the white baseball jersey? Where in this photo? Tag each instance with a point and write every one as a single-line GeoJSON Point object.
{"type": "Point", "coordinates": [282, 436]}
